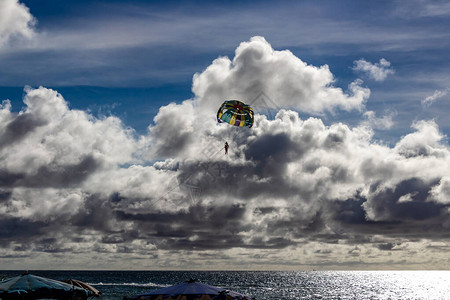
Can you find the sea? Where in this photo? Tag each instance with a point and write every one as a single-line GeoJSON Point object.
{"type": "Point", "coordinates": [265, 285]}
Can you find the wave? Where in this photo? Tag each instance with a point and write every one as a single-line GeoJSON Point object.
{"type": "Point", "coordinates": [149, 284]}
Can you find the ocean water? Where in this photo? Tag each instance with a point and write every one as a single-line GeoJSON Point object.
{"type": "Point", "coordinates": [271, 285]}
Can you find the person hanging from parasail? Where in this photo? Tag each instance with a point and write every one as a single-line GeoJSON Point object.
{"type": "Point", "coordinates": [235, 113]}
{"type": "Point", "coordinates": [226, 148]}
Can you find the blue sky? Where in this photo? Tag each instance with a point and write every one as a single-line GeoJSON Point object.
{"type": "Point", "coordinates": [109, 149]}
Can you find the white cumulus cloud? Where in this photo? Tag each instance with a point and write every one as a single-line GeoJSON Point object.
{"type": "Point", "coordinates": [15, 20]}
{"type": "Point", "coordinates": [382, 123]}
{"type": "Point", "coordinates": [427, 101]}
{"type": "Point", "coordinates": [441, 192]}
{"type": "Point", "coordinates": [378, 71]}
{"type": "Point", "coordinates": [286, 79]}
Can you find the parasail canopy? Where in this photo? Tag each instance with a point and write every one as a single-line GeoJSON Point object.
{"type": "Point", "coordinates": [235, 113]}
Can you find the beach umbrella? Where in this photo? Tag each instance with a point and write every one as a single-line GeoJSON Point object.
{"type": "Point", "coordinates": [93, 291]}
{"type": "Point", "coordinates": [191, 290]}
{"type": "Point", "coordinates": [28, 287]}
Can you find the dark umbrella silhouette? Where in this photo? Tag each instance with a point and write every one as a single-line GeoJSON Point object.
{"type": "Point", "coordinates": [191, 290]}
{"type": "Point", "coordinates": [30, 287]}
{"type": "Point", "coordinates": [74, 282]}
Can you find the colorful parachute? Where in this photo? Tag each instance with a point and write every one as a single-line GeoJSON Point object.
{"type": "Point", "coordinates": [236, 113]}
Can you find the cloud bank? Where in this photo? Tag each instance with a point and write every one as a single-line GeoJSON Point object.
{"type": "Point", "coordinates": [291, 193]}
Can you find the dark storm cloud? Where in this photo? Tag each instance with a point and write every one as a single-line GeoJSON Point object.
{"type": "Point", "coordinates": [61, 175]}
{"type": "Point", "coordinates": [19, 229]}
{"type": "Point", "coordinates": [52, 236]}
{"type": "Point", "coordinates": [221, 178]}
{"type": "Point", "coordinates": [197, 220]}
{"type": "Point", "coordinates": [119, 238]}
{"type": "Point", "coordinates": [296, 224]}
{"type": "Point", "coordinates": [267, 158]}
{"type": "Point", "coordinates": [53, 175]}
{"type": "Point", "coordinates": [51, 245]}
{"type": "Point", "coordinates": [14, 256]}
{"type": "Point", "coordinates": [175, 144]}
{"type": "Point", "coordinates": [97, 213]}
{"type": "Point", "coordinates": [386, 203]}
{"type": "Point", "coordinates": [202, 228]}
{"type": "Point", "coordinates": [4, 194]}
{"type": "Point", "coordinates": [268, 243]}
{"type": "Point", "coordinates": [203, 242]}
{"type": "Point", "coordinates": [8, 179]}
{"type": "Point", "coordinates": [387, 246]}
{"type": "Point", "coordinates": [19, 128]}
{"type": "Point", "coordinates": [350, 211]}
{"type": "Point", "coordinates": [270, 152]}
{"type": "Point", "coordinates": [415, 218]}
